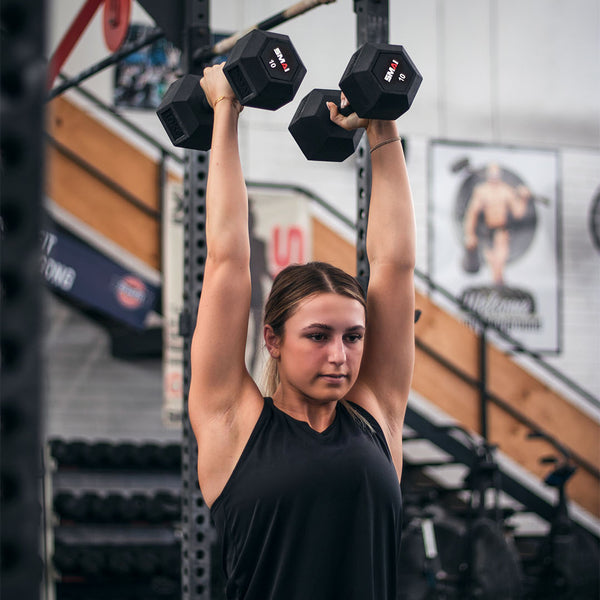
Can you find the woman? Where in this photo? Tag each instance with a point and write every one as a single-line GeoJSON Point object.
{"type": "Point", "coordinates": [304, 485]}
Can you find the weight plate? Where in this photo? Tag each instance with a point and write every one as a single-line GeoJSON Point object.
{"type": "Point", "coordinates": [116, 22]}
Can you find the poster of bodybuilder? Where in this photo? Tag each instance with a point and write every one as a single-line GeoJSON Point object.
{"type": "Point", "coordinates": [493, 236]}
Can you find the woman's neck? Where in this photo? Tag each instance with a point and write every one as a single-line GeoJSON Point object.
{"type": "Point", "coordinates": [318, 414]}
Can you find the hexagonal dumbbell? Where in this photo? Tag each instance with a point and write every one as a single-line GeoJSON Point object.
{"type": "Point", "coordinates": [380, 82]}
{"type": "Point", "coordinates": [264, 71]}
{"type": "Point", "coordinates": [317, 135]}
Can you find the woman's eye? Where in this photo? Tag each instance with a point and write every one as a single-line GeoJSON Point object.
{"type": "Point", "coordinates": [317, 337]}
{"type": "Point", "coordinates": [355, 337]}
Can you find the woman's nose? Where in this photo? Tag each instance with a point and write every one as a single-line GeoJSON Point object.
{"type": "Point", "coordinates": [337, 352]}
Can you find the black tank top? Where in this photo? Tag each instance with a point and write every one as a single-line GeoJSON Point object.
{"type": "Point", "coordinates": [311, 516]}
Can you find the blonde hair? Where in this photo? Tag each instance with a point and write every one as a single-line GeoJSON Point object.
{"type": "Point", "coordinates": [292, 285]}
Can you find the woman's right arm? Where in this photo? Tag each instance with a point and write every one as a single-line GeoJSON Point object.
{"type": "Point", "coordinates": [223, 399]}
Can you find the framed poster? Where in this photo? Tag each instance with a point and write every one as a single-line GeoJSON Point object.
{"type": "Point", "coordinates": [494, 236]}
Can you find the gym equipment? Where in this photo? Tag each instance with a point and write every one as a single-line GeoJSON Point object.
{"type": "Point", "coordinates": [460, 551]}
{"type": "Point", "coordinates": [429, 563]}
{"type": "Point", "coordinates": [264, 71]}
{"type": "Point", "coordinates": [318, 137]}
{"type": "Point", "coordinates": [380, 82]}
{"type": "Point", "coordinates": [568, 557]}
{"type": "Point", "coordinates": [115, 22]}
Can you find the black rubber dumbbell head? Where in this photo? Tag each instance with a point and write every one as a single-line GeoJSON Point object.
{"type": "Point", "coordinates": [264, 70]}
{"type": "Point", "coordinates": [186, 115]}
{"type": "Point", "coordinates": [380, 81]}
{"type": "Point", "coordinates": [318, 137]}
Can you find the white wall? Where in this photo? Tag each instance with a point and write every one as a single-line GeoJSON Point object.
{"type": "Point", "coordinates": [519, 72]}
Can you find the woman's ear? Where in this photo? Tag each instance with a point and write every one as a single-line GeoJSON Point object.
{"type": "Point", "coordinates": [272, 341]}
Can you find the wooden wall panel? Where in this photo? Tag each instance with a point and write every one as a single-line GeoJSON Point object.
{"type": "Point", "coordinates": [109, 153]}
{"type": "Point", "coordinates": [447, 391]}
{"type": "Point", "coordinates": [451, 339]}
{"type": "Point", "coordinates": [330, 247]}
{"type": "Point", "coordinates": [525, 393]}
{"type": "Point", "coordinates": [88, 199]}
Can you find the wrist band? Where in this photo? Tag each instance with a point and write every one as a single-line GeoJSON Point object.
{"type": "Point", "coordinates": [394, 139]}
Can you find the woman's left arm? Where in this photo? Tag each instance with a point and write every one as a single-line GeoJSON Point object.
{"type": "Point", "coordinates": [388, 360]}
{"type": "Point", "coordinates": [386, 370]}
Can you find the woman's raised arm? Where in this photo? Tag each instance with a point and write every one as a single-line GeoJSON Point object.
{"type": "Point", "coordinates": [388, 359]}
{"type": "Point", "coordinates": [219, 378]}
{"type": "Point", "coordinates": [389, 344]}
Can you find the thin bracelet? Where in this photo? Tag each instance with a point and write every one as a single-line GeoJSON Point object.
{"type": "Point", "coordinates": [394, 139]}
{"type": "Point", "coordinates": [232, 98]}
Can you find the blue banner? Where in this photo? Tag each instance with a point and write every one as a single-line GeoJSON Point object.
{"type": "Point", "coordinates": [78, 270]}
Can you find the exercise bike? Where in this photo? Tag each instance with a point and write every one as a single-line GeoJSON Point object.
{"type": "Point", "coordinates": [568, 559]}
{"type": "Point", "coordinates": [462, 555]}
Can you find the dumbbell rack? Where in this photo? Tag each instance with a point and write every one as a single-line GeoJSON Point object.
{"type": "Point", "coordinates": [112, 520]}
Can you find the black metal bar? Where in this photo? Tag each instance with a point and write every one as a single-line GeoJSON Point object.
{"type": "Point", "coordinates": [197, 529]}
{"type": "Point", "coordinates": [23, 76]}
{"type": "Point", "coordinates": [483, 394]}
{"type": "Point", "coordinates": [148, 39]}
{"type": "Point", "coordinates": [162, 177]}
{"type": "Point", "coordinates": [104, 179]}
{"type": "Point", "coordinates": [372, 17]}
{"type": "Point", "coordinates": [372, 20]}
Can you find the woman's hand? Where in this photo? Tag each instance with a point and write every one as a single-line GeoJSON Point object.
{"type": "Point", "coordinates": [217, 88]}
{"type": "Point", "coordinates": [352, 121]}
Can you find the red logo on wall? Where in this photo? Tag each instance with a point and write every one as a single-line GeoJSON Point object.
{"type": "Point", "coordinates": [287, 246]}
{"type": "Point", "coordinates": [131, 292]}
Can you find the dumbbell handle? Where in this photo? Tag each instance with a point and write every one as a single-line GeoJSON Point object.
{"type": "Point", "coordinates": [346, 111]}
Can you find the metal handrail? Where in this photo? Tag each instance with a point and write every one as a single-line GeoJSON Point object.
{"type": "Point", "coordinates": [517, 346]}
{"type": "Point", "coordinates": [103, 178]}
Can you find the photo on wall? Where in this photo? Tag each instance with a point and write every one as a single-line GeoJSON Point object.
{"type": "Point", "coordinates": [494, 236]}
{"type": "Point", "coordinates": [142, 78]}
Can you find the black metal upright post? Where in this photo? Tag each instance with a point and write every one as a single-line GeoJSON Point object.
{"type": "Point", "coordinates": [372, 20]}
{"type": "Point", "coordinates": [196, 526]}
{"type": "Point", "coordinates": [483, 392]}
{"type": "Point", "coordinates": [23, 76]}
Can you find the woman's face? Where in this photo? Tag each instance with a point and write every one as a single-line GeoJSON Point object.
{"type": "Point", "coordinates": [321, 348]}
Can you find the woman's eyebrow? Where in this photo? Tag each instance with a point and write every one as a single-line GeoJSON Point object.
{"type": "Point", "coordinates": [319, 326]}
{"type": "Point", "coordinates": [325, 327]}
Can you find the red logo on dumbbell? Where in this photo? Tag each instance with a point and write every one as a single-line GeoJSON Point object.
{"type": "Point", "coordinates": [391, 70]}
{"type": "Point", "coordinates": [281, 59]}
